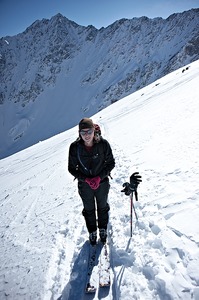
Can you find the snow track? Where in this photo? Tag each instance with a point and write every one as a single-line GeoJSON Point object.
{"type": "Point", "coordinates": [146, 266]}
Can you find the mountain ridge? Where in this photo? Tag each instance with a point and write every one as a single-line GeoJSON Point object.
{"type": "Point", "coordinates": [57, 71]}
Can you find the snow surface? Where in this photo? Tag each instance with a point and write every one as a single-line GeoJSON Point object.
{"type": "Point", "coordinates": [44, 245]}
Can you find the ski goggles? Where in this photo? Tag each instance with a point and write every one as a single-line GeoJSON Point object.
{"type": "Point", "coordinates": [84, 132]}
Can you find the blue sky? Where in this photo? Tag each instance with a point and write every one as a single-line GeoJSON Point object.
{"type": "Point", "coordinates": [17, 15]}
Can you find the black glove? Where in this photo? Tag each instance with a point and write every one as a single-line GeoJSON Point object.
{"type": "Point", "coordinates": [131, 187]}
{"type": "Point", "coordinates": [126, 189]}
{"type": "Point", "coordinates": [135, 179]}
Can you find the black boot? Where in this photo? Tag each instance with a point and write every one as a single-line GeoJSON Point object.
{"type": "Point", "coordinates": [103, 235]}
{"type": "Point", "coordinates": [93, 238]}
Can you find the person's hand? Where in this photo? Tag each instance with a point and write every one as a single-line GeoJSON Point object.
{"type": "Point", "coordinates": [93, 182]}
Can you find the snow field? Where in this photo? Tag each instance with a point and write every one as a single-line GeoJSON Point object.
{"type": "Point", "coordinates": [43, 249]}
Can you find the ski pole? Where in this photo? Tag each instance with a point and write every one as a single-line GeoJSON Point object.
{"type": "Point", "coordinates": [131, 213]}
{"type": "Point", "coordinates": [132, 208]}
{"type": "Point", "coordinates": [136, 197]}
{"type": "Point", "coordinates": [129, 189]}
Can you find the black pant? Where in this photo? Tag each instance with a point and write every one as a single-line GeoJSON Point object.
{"type": "Point", "coordinates": [90, 199]}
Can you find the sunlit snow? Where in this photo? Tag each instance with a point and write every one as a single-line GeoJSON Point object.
{"type": "Point", "coordinates": [44, 246]}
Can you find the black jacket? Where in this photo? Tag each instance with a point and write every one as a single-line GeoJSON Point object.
{"type": "Point", "coordinates": [98, 162]}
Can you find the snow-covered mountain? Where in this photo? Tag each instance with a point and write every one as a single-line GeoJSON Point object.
{"type": "Point", "coordinates": [57, 71]}
{"type": "Point", "coordinates": [43, 238]}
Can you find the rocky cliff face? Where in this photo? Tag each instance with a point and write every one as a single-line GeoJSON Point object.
{"type": "Point", "coordinates": [56, 71]}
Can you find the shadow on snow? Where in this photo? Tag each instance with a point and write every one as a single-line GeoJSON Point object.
{"type": "Point", "coordinates": [75, 288]}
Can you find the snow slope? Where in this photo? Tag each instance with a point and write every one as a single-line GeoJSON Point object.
{"type": "Point", "coordinates": [44, 244]}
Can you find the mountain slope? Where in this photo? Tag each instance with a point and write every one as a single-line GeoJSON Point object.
{"type": "Point", "coordinates": [56, 71]}
{"type": "Point", "coordinates": [43, 235]}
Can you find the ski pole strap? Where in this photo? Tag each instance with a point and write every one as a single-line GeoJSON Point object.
{"type": "Point", "coordinates": [136, 195]}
